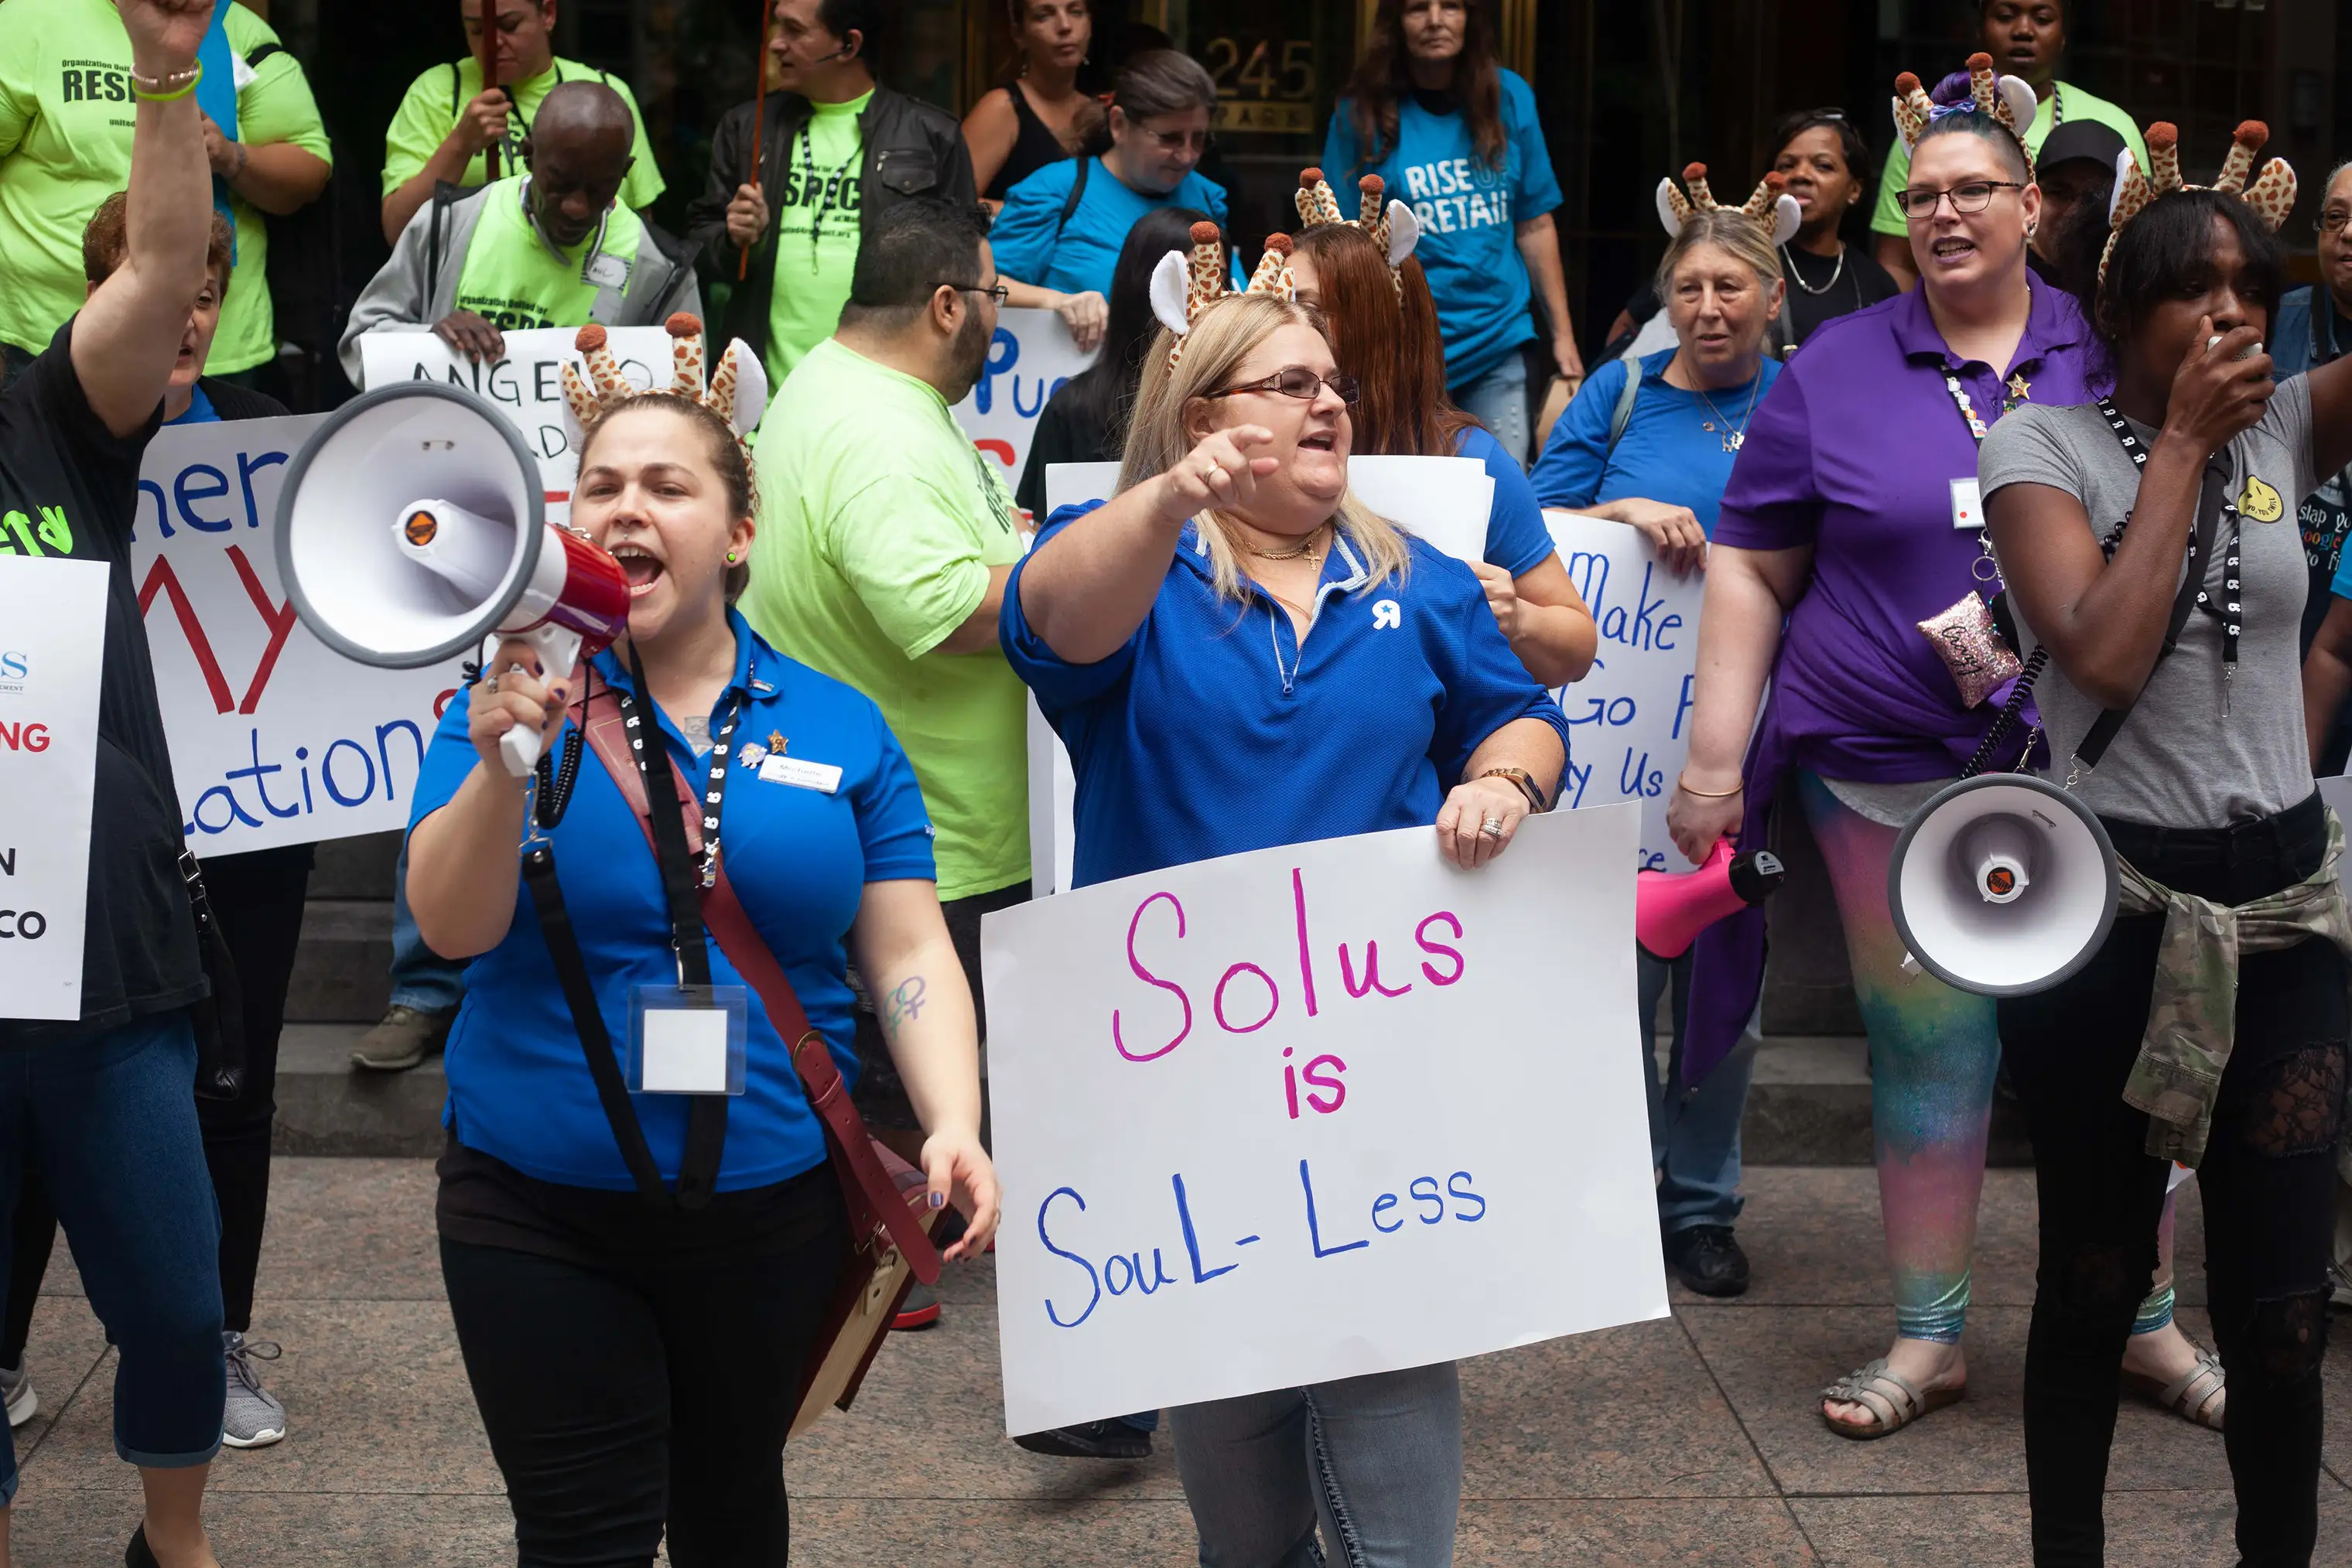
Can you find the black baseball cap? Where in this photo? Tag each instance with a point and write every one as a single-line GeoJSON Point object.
{"type": "Point", "coordinates": [2090, 140]}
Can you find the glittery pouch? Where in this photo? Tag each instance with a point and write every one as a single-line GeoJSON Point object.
{"type": "Point", "coordinates": [1972, 649]}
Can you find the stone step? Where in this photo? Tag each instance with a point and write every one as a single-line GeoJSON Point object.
{"type": "Point", "coordinates": [1808, 1105]}
{"type": "Point", "coordinates": [343, 969]}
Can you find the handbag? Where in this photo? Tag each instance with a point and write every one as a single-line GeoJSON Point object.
{"type": "Point", "coordinates": [886, 1199]}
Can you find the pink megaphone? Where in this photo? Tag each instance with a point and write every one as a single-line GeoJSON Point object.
{"type": "Point", "coordinates": [1671, 910]}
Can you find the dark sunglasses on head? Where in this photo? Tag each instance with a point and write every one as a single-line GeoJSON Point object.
{"type": "Point", "coordinates": [1299, 382]}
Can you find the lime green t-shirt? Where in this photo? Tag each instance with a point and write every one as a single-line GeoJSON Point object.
{"type": "Point", "coordinates": [870, 552]}
{"type": "Point", "coordinates": [515, 278]}
{"type": "Point", "coordinates": [430, 110]}
{"type": "Point", "coordinates": [2065, 102]}
{"type": "Point", "coordinates": [65, 146]}
{"type": "Point", "coordinates": [816, 232]}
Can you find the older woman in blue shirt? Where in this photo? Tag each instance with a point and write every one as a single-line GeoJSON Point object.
{"type": "Point", "coordinates": [636, 1363]}
{"type": "Point", "coordinates": [1650, 442]}
{"type": "Point", "coordinates": [1240, 654]}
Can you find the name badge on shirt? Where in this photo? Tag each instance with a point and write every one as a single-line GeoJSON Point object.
{"type": "Point", "coordinates": [1967, 505]}
{"type": "Point", "coordinates": [801, 774]}
{"type": "Point", "coordinates": [687, 1040]}
{"type": "Point", "coordinates": [606, 270]}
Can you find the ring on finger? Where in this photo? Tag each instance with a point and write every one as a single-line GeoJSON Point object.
{"type": "Point", "coordinates": [492, 686]}
{"type": "Point", "coordinates": [1491, 827]}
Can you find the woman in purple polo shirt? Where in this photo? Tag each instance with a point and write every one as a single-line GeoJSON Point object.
{"type": "Point", "coordinates": [1852, 514]}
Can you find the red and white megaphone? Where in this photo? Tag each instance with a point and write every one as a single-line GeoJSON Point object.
{"type": "Point", "coordinates": [1670, 910]}
{"type": "Point", "coordinates": [412, 527]}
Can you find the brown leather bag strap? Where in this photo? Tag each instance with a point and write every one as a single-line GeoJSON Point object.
{"type": "Point", "coordinates": [874, 1202]}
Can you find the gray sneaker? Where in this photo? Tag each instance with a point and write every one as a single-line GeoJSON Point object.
{"type": "Point", "coordinates": [16, 1393]}
{"type": "Point", "coordinates": [251, 1419]}
{"type": "Point", "coordinates": [402, 1039]}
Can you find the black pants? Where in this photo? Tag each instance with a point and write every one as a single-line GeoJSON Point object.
{"type": "Point", "coordinates": [652, 1387]}
{"type": "Point", "coordinates": [2267, 1178]}
{"type": "Point", "coordinates": [257, 897]}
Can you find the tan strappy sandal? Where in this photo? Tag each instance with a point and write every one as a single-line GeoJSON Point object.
{"type": "Point", "coordinates": [1892, 1398]}
{"type": "Point", "coordinates": [2194, 1395]}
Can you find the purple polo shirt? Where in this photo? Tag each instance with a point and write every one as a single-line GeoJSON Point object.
{"type": "Point", "coordinates": [1854, 452]}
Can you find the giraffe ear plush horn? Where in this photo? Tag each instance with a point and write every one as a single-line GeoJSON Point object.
{"type": "Point", "coordinates": [1167, 281]}
{"type": "Point", "coordinates": [1674, 207]}
{"type": "Point", "coordinates": [1404, 233]}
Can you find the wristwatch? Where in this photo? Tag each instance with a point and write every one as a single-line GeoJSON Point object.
{"type": "Point", "coordinates": [1526, 783]}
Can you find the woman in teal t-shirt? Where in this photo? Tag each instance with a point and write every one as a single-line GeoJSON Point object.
{"type": "Point", "coordinates": [1056, 241]}
{"type": "Point", "coordinates": [1455, 137]}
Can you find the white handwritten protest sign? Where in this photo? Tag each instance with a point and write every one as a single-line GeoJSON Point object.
{"type": "Point", "coordinates": [527, 386]}
{"type": "Point", "coordinates": [1031, 355]}
{"type": "Point", "coordinates": [274, 738]}
{"type": "Point", "coordinates": [52, 646]}
{"type": "Point", "coordinates": [1629, 719]}
{"type": "Point", "coordinates": [1314, 1111]}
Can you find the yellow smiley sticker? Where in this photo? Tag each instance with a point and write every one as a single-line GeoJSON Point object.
{"type": "Point", "coordinates": [2260, 503]}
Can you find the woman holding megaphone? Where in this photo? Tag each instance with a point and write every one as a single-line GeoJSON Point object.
{"type": "Point", "coordinates": [2210, 1025]}
{"type": "Point", "coordinates": [641, 1250]}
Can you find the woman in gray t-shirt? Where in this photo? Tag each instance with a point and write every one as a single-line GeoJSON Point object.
{"type": "Point", "coordinates": [2206, 792]}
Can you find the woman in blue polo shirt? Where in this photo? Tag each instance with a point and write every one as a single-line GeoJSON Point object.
{"type": "Point", "coordinates": [1239, 654]}
{"type": "Point", "coordinates": [635, 1362]}
{"type": "Point", "coordinates": [1455, 136]}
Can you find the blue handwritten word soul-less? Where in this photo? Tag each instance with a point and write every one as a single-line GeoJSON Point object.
{"type": "Point", "coordinates": [1123, 1273]}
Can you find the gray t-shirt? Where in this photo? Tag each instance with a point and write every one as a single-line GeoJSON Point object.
{"type": "Point", "coordinates": [2177, 762]}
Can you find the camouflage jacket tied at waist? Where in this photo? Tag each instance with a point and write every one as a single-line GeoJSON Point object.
{"type": "Point", "coordinates": [2193, 1014]}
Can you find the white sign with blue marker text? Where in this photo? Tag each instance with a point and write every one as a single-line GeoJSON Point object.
{"type": "Point", "coordinates": [1031, 355]}
{"type": "Point", "coordinates": [276, 738]}
{"type": "Point", "coordinates": [1628, 718]}
{"type": "Point", "coordinates": [1311, 1111]}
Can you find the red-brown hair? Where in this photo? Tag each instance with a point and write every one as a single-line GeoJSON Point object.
{"type": "Point", "coordinates": [1390, 345]}
{"type": "Point", "coordinates": [1384, 77]}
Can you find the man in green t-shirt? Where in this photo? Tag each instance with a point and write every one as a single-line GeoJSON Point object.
{"type": "Point", "coordinates": [65, 147]}
{"type": "Point", "coordinates": [2025, 39]}
{"type": "Point", "coordinates": [838, 151]}
{"type": "Point", "coordinates": [884, 542]}
{"type": "Point", "coordinates": [448, 120]}
{"type": "Point", "coordinates": [552, 247]}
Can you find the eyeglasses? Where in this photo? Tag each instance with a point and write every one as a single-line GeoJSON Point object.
{"type": "Point", "coordinates": [2333, 220]}
{"type": "Point", "coordinates": [1179, 140]}
{"type": "Point", "coordinates": [996, 291]}
{"type": "Point", "coordinates": [1968, 198]}
{"type": "Point", "coordinates": [1299, 382]}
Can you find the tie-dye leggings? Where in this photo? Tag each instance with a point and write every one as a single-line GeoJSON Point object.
{"type": "Point", "coordinates": [1933, 1052]}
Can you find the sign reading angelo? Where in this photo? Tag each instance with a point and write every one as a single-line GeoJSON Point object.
{"type": "Point", "coordinates": [1314, 1111]}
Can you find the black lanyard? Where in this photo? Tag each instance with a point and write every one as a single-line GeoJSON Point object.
{"type": "Point", "coordinates": [681, 871]}
{"type": "Point", "coordinates": [2231, 611]}
{"type": "Point", "coordinates": [804, 160]}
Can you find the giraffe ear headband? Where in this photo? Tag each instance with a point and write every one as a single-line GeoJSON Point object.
{"type": "Point", "coordinates": [1185, 284]}
{"type": "Point", "coordinates": [2272, 195]}
{"type": "Point", "coordinates": [737, 392]}
{"type": "Point", "coordinates": [1391, 226]}
{"type": "Point", "coordinates": [1769, 206]}
{"type": "Point", "coordinates": [2008, 101]}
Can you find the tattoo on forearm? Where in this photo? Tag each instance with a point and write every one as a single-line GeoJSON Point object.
{"type": "Point", "coordinates": [904, 1003]}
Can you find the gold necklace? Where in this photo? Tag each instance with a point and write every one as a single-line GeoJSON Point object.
{"type": "Point", "coordinates": [1311, 549]}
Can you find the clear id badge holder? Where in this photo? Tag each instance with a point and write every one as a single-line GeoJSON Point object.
{"type": "Point", "coordinates": [687, 1040]}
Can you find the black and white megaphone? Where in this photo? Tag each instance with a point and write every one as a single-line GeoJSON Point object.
{"type": "Point", "coordinates": [2002, 884]}
{"type": "Point", "coordinates": [412, 527]}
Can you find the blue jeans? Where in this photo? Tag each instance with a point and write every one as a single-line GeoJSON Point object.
{"type": "Point", "coordinates": [1377, 1461]}
{"type": "Point", "coordinates": [420, 978]}
{"type": "Point", "coordinates": [110, 1123]}
{"type": "Point", "coordinates": [1693, 1132]}
{"type": "Point", "coordinates": [1498, 400]}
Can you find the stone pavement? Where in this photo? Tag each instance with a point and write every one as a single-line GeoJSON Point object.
{"type": "Point", "coordinates": [1691, 1440]}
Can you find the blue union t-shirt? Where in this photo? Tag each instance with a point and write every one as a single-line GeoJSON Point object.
{"type": "Point", "coordinates": [1087, 254]}
{"type": "Point", "coordinates": [1666, 453]}
{"type": "Point", "coordinates": [1468, 212]}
